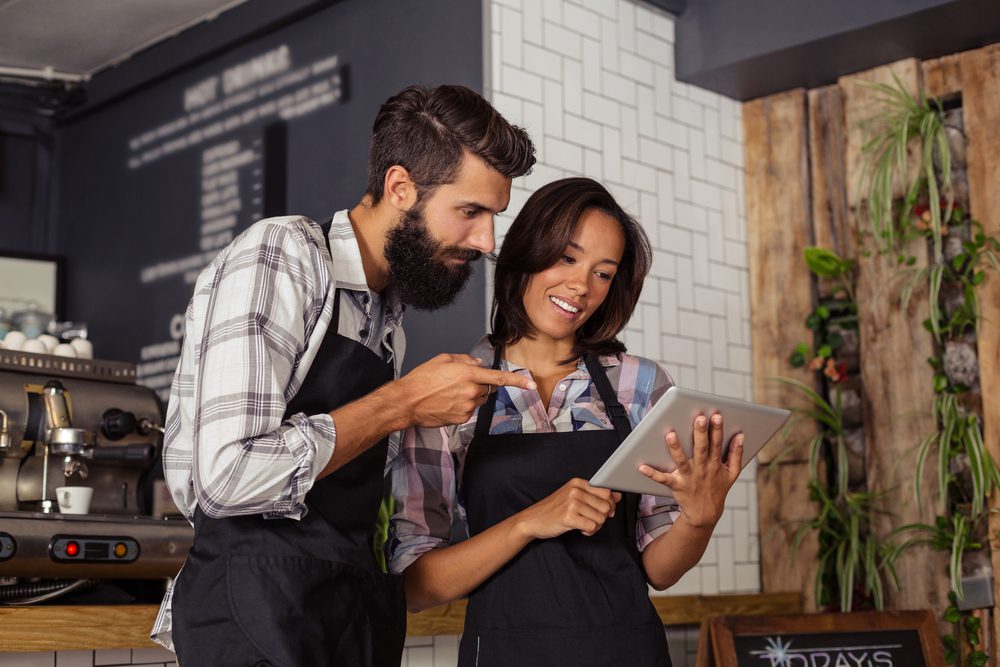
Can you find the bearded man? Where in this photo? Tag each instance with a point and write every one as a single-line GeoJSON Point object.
{"type": "Point", "coordinates": [285, 409]}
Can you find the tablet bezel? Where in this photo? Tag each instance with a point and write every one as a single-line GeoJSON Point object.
{"type": "Point", "coordinates": [676, 410]}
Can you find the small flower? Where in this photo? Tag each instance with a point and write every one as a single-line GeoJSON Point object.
{"type": "Point", "coordinates": [816, 363]}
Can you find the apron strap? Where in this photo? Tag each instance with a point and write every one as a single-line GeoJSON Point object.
{"type": "Point", "coordinates": [335, 317]}
{"type": "Point", "coordinates": [620, 420]}
{"type": "Point", "coordinates": [484, 419]}
{"type": "Point", "coordinates": [613, 407]}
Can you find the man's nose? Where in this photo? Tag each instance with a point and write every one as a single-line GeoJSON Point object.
{"type": "Point", "coordinates": [482, 238]}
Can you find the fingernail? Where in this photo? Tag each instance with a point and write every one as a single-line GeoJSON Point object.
{"type": "Point", "coordinates": [701, 421]}
{"type": "Point", "coordinates": [532, 385]}
{"type": "Point", "coordinates": [717, 419]}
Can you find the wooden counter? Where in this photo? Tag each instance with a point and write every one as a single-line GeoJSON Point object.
{"type": "Point", "coordinates": [61, 628]}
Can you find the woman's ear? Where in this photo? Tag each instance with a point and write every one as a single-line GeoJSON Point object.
{"type": "Point", "coordinates": [400, 190]}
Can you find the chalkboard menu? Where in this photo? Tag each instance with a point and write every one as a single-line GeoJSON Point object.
{"type": "Point", "coordinates": [871, 639]}
{"type": "Point", "coordinates": [153, 185]}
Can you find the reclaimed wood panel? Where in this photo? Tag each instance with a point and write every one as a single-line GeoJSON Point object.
{"type": "Point", "coordinates": [981, 106]}
{"type": "Point", "coordinates": [781, 296]}
{"type": "Point", "coordinates": [898, 381]}
{"type": "Point", "coordinates": [783, 501]}
{"type": "Point", "coordinates": [827, 139]}
{"type": "Point", "coordinates": [778, 231]}
{"type": "Point", "coordinates": [943, 76]}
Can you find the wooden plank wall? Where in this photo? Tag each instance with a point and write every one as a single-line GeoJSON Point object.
{"type": "Point", "coordinates": [778, 203]}
{"type": "Point", "coordinates": [980, 83]}
{"type": "Point", "coordinates": [898, 382]}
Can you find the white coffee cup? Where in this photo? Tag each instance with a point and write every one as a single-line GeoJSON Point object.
{"type": "Point", "coordinates": [74, 499]}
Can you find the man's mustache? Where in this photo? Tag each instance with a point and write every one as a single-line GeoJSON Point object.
{"type": "Point", "coordinates": [454, 252]}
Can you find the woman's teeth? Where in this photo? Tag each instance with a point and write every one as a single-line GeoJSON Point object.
{"type": "Point", "coordinates": [565, 306]}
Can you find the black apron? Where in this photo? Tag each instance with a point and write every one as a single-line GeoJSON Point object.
{"type": "Point", "coordinates": [286, 593]}
{"type": "Point", "coordinates": [571, 600]}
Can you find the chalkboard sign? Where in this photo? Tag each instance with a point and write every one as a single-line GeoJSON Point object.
{"type": "Point", "coordinates": [875, 639]}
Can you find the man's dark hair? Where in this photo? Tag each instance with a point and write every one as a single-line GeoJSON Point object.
{"type": "Point", "coordinates": [538, 238]}
{"type": "Point", "coordinates": [425, 130]}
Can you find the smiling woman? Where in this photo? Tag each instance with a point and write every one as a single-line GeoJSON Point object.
{"type": "Point", "coordinates": [556, 570]}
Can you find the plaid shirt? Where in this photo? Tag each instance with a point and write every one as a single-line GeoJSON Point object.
{"type": "Point", "coordinates": [259, 314]}
{"type": "Point", "coordinates": [427, 474]}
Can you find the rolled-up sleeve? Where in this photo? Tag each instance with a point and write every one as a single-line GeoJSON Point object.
{"type": "Point", "coordinates": [254, 314]}
{"type": "Point", "coordinates": [424, 487]}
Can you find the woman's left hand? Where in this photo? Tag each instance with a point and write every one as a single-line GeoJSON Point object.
{"type": "Point", "coordinates": [700, 483]}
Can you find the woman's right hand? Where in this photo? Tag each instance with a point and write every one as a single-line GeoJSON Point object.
{"type": "Point", "coordinates": [575, 506]}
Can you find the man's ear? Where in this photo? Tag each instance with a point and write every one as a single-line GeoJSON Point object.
{"type": "Point", "coordinates": [399, 190]}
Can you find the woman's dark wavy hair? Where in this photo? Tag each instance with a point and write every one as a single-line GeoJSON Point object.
{"type": "Point", "coordinates": [538, 238]}
{"type": "Point", "coordinates": [426, 130]}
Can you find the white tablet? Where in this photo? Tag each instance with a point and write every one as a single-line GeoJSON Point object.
{"type": "Point", "coordinates": [676, 411]}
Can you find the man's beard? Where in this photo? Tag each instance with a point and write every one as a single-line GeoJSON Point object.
{"type": "Point", "coordinates": [418, 271]}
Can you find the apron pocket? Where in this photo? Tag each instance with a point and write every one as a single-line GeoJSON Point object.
{"type": "Point", "coordinates": [644, 646]}
{"type": "Point", "coordinates": [301, 611]}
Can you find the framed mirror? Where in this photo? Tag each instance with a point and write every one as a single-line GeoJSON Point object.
{"type": "Point", "coordinates": [27, 279]}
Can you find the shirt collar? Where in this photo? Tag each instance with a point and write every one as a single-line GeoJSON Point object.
{"type": "Point", "coordinates": [349, 271]}
{"type": "Point", "coordinates": [484, 351]}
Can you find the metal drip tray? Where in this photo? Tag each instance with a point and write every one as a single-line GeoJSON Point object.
{"type": "Point", "coordinates": [98, 546]}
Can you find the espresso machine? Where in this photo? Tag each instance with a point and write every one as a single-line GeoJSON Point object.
{"type": "Point", "coordinates": [68, 422]}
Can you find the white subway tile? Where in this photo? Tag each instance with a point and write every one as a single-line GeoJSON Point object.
{"type": "Point", "coordinates": [618, 88]}
{"type": "Point", "coordinates": [27, 659]}
{"type": "Point", "coordinates": [420, 657]}
{"type": "Point", "coordinates": [581, 20]}
{"type": "Point", "coordinates": [668, 306]}
{"type": "Point", "coordinates": [543, 62]}
{"type": "Point", "coordinates": [655, 153]}
{"type": "Point", "coordinates": [559, 39]}
{"type": "Point", "coordinates": [653, 48]}
{"type": "Point", "coordinates": [610, 53]}
{"type": "Point", "coordinates": [612, 154]}
{"type": "Point", "coordinates": [664, 265]}
{"type": "Point", "coordinates": [709, 579]}
{"type": "Point", "coordinates": [736, 254]}
{"type": "Point", "coordinates": [663, 26]}
{"type": "Point", "coordinates": [552, 10]}
{"type": "Point", "coordinates": [635, 67]}
{"type": "Point", "coordinates": [704, 97]}
{"type": "Point", "coordinates": [639, 176]}
{"type": "Point", "coordinates": [553, 108]}
{"type": "Point", "coordinates": [665, 197]}
{"type": "Point", "coordinates": [592, 68]}
{"type": "Point", "coordinates": [510, 34]}
{"type": "Point", "coordinates": [593, 163]}
{"type": "Point", "coordinates": [685, 284]}
{"type": "Point", "coordinates": [704, 365]}
{"type": "Point", "coordinates": [563, 154]}
{"type": "Point", "coordinates": [143, 656]}
{"type": "Point", "coordinates": [531, 26]}
{"type": "Point", "coordinates": [608, 8]}
{"type": "Point", "coordinates": [73, 659]}
{"type": "Point", "coordinates": [675, 240]}
{"type": "Point", "coordinates": [122, 656]}
{"type": "Point", "coordinates": [716, 240]}
{"type": "Point", "coordinates": [626, 23]}
{"type": "Point", "coordinates": [713, 302]}
{"type": "Point", "coordinates": [646, 108]}
{"type": "Point", "coordinates": [650, 332]}
{"type": "Point", "coordinates": [446, 650]}
{"type": "Point", "coordinates": [676, 349]}
{"type": "Point", "coordinates": [713, 148]}
{"type": "Point", "coordinates": [520, 83]}
{"type": "Point", "coordinates": [697, 140]}
{"type": "Point", "coordinates": [682, 176]}
{"type": "Point", "coordinates": [685, 111]}
{"type": "Point", "coordinates": [728, 384]}
{"type": "Point", "coordinates": [582, 131]}
{"type": "Point", "coordinates": [630, 132]}
{"type": "Point", "coordinates": [602, 109]}
{"type": "Point", "coordinates": [533, 119]}
{"type": "Point", "coordinates": [691, 217]}
{"type": "Point", "coordinates": [720, 348]}
{"type": "Point", "coordinates": [726, 277]}
{"type": "Point", "coordinates": [748, 578]}
{"type": "Point", "coordinates": [695, 325]}
{"type": "Point", "coordinates": [572, 86]}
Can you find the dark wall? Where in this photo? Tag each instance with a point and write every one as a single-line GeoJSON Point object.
{"type": "Point", "coordinates": [126, 211]}
{"type": "Point", "coordinates": [750, 49]}
{"type": "Point", "coordinates": [18, 183]}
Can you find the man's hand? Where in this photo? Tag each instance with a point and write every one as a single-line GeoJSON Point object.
{"type": "Point", "coordinates": [448, 389]}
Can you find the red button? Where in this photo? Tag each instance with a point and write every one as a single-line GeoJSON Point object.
{"type": "Point", "coordinates": [72, 548]}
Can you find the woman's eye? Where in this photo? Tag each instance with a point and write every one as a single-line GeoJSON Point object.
{"type": "Point", "coordinates": [604, 276]}
{"type": "Point", "coordinates": [568, 260]}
